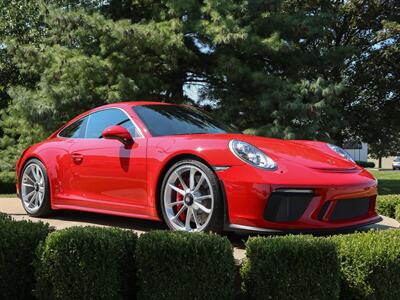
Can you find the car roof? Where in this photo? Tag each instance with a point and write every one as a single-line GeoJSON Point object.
{"type": "Point", "coordinates": [122, 105]}
{"type": "Point", "coordinates": [136, 103]}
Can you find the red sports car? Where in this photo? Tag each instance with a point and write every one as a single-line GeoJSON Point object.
{"type": "Point", "coordinates": [175, 163]}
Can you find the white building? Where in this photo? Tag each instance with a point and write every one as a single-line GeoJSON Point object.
{"type": "Point", "coordinates": [357, 150]}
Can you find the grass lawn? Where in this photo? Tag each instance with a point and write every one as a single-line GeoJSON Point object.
{"type": "Point", "coordinates": [388, 181]}
{"type": "Point", "coordinates": [8, 195]}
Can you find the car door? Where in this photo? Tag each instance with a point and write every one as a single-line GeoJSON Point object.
{"type": "Point", "coordinates": [105, 173]}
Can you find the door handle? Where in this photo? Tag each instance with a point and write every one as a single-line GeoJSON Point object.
{"type": "Point", "coordinates": [77, 158]}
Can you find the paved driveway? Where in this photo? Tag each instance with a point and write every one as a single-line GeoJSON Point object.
{"type": "Point", "coordinates": [65, 219]}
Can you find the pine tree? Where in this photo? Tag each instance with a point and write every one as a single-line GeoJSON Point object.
{"type": "Point", "coordinates": [297, 69]}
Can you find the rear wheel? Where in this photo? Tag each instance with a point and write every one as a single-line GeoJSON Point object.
{"type": "Point", "coordinates": [34, 189]}
{"type": "Point", "coordinates": [190, 198]}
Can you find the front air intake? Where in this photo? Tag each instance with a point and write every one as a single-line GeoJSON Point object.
{"type": "Point", "coordinates": [350, 208]}
{"type": "Point", "coordinates": [287, 205]}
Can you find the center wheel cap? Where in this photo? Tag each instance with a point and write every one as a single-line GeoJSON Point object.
{"type": "Point", "coordinates": [189, 199]}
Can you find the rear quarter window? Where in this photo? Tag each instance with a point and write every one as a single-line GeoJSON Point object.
{"type": "Point", "coordinates": [75, 130]}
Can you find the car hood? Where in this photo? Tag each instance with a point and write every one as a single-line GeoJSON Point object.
{"type": "Point", "coordinates": [316, 155]}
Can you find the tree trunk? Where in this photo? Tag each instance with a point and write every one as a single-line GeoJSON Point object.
{"type": "Point", "coordinates": [380, 162]}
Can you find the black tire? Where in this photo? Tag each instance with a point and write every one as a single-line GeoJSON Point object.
{"type": "Point", "coordinates": [45, 207]}
{"type": "Point", "coordinates": [215, 223]}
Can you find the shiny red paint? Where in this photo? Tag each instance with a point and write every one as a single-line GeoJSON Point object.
{"type": "Point", "coordinates": [107, 176]}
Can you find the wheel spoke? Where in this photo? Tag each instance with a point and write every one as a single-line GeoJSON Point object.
{"type": "Point", "coordinates": [199, 183]}
{"type": "Point", "coordinates": [176, 189]}
{"type": "Point", "coordinates": [40, 198]}
{"type": "Point", "coordinates": [174, 203]}
{"type": "Point", "coordinates": [191, 178]}
{"type": "Point", "coordinates": [201, 198]}
{"type": "Point", "coordinates": [26, 176]}
{"type": "Point", "coordinates": [188, 218]}
{"type": "Point", "coordinates": [33, 171]}
{"type": "Point", "coordinates": [28, 195]}
{"type": "Point", "coordinates": [202, 207]}
{"type": "Point", "coordinates": [28, 185]}
{"type": "Point", "coordinates": [37, 199]}
{"type": "Point", "coordinates": [184, 186]}
{"type": "Point", "coordinates": [32, 199]}
{"type": "Point", "coordinates": [179, 213]}
{"type": "Point", "coordinates": [195, 219]}
{"type": "Point", "coordinates": [38, 174]}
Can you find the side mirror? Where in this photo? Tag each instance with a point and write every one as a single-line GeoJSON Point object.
{"type": "Point", "coordinates": [118, 132]}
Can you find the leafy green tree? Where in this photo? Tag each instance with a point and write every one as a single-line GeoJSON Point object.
{"type": "Point", "coordinates": [268, 70]}
{"type": "Point", "coordinates": [299, 69]}
{"type": "Point", "coordinates": [21, 23]}
{"type": "Point", "coordinates": [89, 53]}
{"type": "Point", "coordinates": [286, 68]}
{"type": "Point", "coordinates": [87, 60]}
{"type": "Point", "coordinates": [375, 109]}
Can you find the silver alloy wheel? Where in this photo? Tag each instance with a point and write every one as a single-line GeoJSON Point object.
{"type": "Point", "coordinates": [188, 199]}
{"type": "Point", "coordinates": [33, 188]}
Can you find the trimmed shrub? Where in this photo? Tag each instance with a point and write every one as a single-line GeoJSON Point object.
{"type": "Point", "coordinates": [87, 263]}
{"type": "Point", "coordinates": [4, 217]}
{"type": "Point", "coordinates": [397, 213]}
{"type": "Point", "coordinates": [365, 164]}
{"type": "Point", "coordinates": [180, 265]}
{"type": "Point", "coordinates": [290, 267]}
{"type": "Point", "coordinates": [370, 265]}
{"type": "Point", "coordinates": [386, 205]}
{"type": "Point", "coordinates": [18, 243]}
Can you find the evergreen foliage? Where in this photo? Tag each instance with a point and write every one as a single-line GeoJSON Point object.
{"type": "Point", "coordinates": [294, 69]}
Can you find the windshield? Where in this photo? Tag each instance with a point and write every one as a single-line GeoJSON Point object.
{"type": "Point", "coordinates": [397, 159]}
{"type": "Point", "coordinates": [163, 120]}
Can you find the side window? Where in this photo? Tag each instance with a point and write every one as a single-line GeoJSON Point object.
{"type": "Point", "coordinates": [75, 130]}
{"type": "Point", "coordinates": [99, 121]}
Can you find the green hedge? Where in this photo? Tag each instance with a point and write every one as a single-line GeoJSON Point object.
{"type": "Point", "coordinates": [87, 263]}
{"type": "Point", "coordinates": [397, 213]}
{"type": "Point", "coordinates": [7, 182]}
{"type": "Point", "coordinates": [290, 267]}
{"type": "Point", "coordinates": [179, 265]}
{"type": "Point", "coordinates": [365, 164]}
{"type": "Point", "coordinates": [370, 265]}
{"type": "Point", "coordinates": [386, 205]}
{"type": "Point", "coordinates": [100, 263]}
{"type": "Point", "coordinates": [18, 243]}
{"type": "Point", "coordinates": [4, 217]}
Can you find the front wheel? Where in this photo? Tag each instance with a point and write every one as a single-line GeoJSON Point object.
{"type": "Point", "coordinates": [190, 198]}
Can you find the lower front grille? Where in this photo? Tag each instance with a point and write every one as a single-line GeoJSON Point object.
{"type": "Point", "coordinates": [286, 207]}
{"type": "Point", "coordinates": [350, 208]}
{"type": "Point", "coordinates": [323, 210]}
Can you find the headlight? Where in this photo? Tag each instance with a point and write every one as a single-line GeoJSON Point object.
{"type": "Point", "coordinates": [341, 151]}
{"type": "Point", "coordinates": [251, 155]}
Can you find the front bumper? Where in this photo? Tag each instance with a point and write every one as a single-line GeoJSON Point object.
{"type": "Point", "coordinates": [336, 201]}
